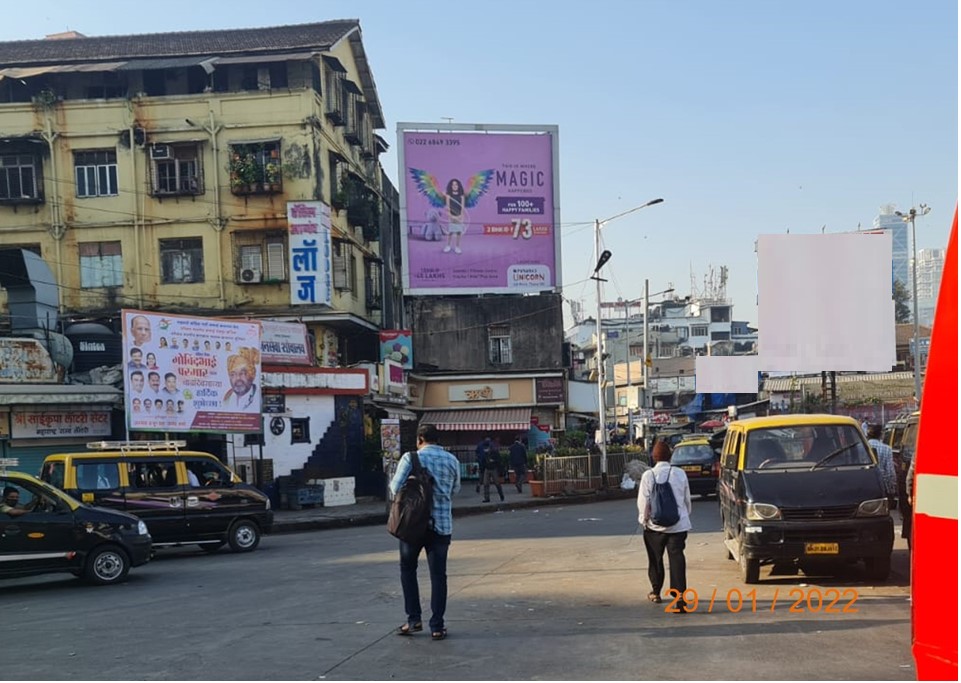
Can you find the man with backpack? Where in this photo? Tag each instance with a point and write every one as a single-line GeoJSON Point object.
{"type": "Point", "coordinates": [664, 512]}
{"type": "Point", "coordinates": [444, 469]}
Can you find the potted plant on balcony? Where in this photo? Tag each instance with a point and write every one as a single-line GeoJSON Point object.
{"type": "Point", "coordinates": [272, 175]}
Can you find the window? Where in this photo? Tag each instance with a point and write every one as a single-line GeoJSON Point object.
{"type": "Point", "coordinates": [299, 430]}
{"type": "Point", "coordinates": [264, 76]}
{"type": "Point", "coordinates": [18, 177]}
{"type": "Point", "coordinates": [96, 173]}
{"type": "Point", "coordinates": [372, 280]}
{"type": "Point", "coordinates": [98, 476]}
{"type": "Point", "coordinates": [105, 92]}
{"type": "Point", "coordinates": [101, 264]}
{"type": "Point", "coordinates": [720, 314]}
{"type": "Point", "coordinates": [255, 167]}
{"type": "Point", "coordinates": [153, 473]}
{"type": "Point", "coordinates": [681, 333]}
{"type": "Point", "coordinates": [182, 261]}
{"type": "Point", "coordinates": [175, 169]}
{"type": "Point", "coordinates": [720, 336]}
{"type": "Point", "coordinates": [261, 258]}
{"type": "Point", "coordinates": [344, 265]}
{"type": "Point", "coordinates": [333, 76]}
{"type": "Point", "coordinates": [499, 339]}
{"type": "Point", "coordinates": [698, 330]}
{"type": "Point", "coordinates": [203, 472]}
{"type": "Point", "coordinates": [352, 275]}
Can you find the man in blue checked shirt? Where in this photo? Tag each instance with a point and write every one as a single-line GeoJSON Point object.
{"type": "Point", "coordinates": [445, 469]}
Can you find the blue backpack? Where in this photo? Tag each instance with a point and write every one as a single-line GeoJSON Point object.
{"type": "Point", "coordinates": [664, 510]}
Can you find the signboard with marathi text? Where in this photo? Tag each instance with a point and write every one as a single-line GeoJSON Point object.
{"type": "Point", "coordinates": [191, 374]}
{"type": "Point", "coordinates": [478, 392]}
{"type": "Point", "coordinates": [284, 343]}
{"type": "Point", "coordinates": [549, 389]}
{"type": "Point", "coordinates": [479, 208]}
{"type": "Point", "coordinates": [60, 423]}
{"type": "Point", "coordinates": [310, 253]}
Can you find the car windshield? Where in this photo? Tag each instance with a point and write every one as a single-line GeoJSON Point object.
{"type": "Point", "coordinates": [806, 446]}
{"type": "Point", "coordinates": [690, 454]}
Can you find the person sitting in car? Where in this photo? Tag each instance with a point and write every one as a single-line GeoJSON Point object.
{"type": "Point", "coordinates": [11, 496]}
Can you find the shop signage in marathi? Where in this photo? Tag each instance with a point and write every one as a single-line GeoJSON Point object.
{"type": "Point", "coordinates": [275, 403]}
{"type": "Point", "coordinates": [311, 262]}
{"type": "Point", "coordinates": [549, 389]}
{"type": "Point", "coordinates": [284, 343]}
{"type": "Point", "coordinates": [478, 392]}
{"type": "Point", "coordinates": [48, 424]}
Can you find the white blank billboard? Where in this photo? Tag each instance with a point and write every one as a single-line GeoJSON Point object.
{"type": "Point", "coordinates": [726, 374]}
{"type": "Point", "coordinates": [824, 303]}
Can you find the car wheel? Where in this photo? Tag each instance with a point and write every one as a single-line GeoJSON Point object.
{"type": "Point", "coordinates": [107, 564]}
{"type": "Point", "coordinates": [750, 567]}
{"type": "Point", "coordinates": [878, 568]}
{"type": "Point", "coordinates": [211, 547]}
{"type": "Point", "coordinates": [244, 536]}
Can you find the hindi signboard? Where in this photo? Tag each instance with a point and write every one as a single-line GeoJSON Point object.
{"type": "Point", "coordinates": [191, 374]}
{"type": "Point", "coordinates": [311, 263]}
{"type": "Point", "coordinates": [284, 343]}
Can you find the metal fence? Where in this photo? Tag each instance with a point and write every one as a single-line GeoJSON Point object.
{"type": "Point", "coordinates": [583, 472]}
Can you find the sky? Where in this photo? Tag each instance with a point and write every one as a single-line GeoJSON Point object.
{"type": "Point", "coordinates": [747, 117]}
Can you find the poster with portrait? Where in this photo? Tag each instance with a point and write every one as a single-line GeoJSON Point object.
{"type": "Point", "coordinates": [190, 374]}
{"type": "Point", "coordinates": [390, 440]}
{"type": "Point", "coordinates": [479, 209]}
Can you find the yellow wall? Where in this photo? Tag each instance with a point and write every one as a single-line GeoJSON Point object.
{"type": "Point", "coordinates": [138, 220]}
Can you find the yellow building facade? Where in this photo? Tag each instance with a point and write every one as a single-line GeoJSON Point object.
{"type": "Point", "coordinates": [154, 172]}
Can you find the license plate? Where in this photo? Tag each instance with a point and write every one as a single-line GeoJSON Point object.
{"type": "Point", "coordinates": [821, 549]}
{"type": "Point", "coordinates": [692, 468]}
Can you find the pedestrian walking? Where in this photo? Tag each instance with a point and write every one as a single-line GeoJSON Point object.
{"type": "Point", "coordinates": [657, 538]}
{"type": "Point", "coordinates": [445, 469]}
{"type": "Point", "coordinates": [491, 470]}
{"type": "Point", "coordinates": [482, 452]}
{"type": "Point", "coordinates": [885, 462]}
{"type": "Point", "coordinates": [518, 460]}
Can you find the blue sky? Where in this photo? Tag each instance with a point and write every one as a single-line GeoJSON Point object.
{"type": "Point", "coordinates": [747, 117]}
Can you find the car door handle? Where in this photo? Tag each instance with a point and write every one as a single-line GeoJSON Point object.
{"type": "Point", "coordinates": [11, 530]}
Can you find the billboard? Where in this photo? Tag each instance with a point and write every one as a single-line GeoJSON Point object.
{"type": "Point", "coordinates": [396, 345]}
{"type": "Point", "coordinates": [189, 374]}
{"type": "Point", "coordinates": [310, 258]}
{"type": "Point", "coordinates": [479, 208]}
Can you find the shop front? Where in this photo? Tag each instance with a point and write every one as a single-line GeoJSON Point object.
{"type": "Point", "coordinates": [467, 409]}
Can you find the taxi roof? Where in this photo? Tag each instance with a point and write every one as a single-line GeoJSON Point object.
{"type": "Point", "coordinates": [692, 440]}
{"type": "Point", "coordinates": [793, 421]}
{"type": "Point", "coordinates": [128, 454]}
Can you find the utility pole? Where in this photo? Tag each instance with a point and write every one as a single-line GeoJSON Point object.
{"type": "Point", "coordinates": [910, 218]}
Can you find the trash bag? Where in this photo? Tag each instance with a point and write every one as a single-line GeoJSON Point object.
{"type": "Point", "coordinates": [627, 483]}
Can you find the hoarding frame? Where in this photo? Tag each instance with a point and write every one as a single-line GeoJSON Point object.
{"type": "Point", "coordinates": [413, 127]}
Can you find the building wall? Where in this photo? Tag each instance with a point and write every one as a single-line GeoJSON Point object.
{"type": "Point", "coordinates": [64, 223]}
{"type": "Point", "coordinates": [453, 333]}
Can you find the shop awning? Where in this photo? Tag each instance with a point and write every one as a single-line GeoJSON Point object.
{"type": "Point", "coordinates": [491, 419]}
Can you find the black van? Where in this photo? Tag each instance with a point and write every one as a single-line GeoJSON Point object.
{"type": "Point", "coordinates": [802, 489]}
{"type": "Point", "coordinates": [43, 530]}
{"type": "Point", "coordinates": [183, 496]}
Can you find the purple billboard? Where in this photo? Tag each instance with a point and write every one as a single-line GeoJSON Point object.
{"type": "Point", "coordinates": [480, 209]}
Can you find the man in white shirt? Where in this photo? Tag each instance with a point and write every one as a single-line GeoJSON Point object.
{"type": "Point", "coordinates": [658, 538]}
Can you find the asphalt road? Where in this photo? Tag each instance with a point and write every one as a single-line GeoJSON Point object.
{"type": "Point", "coordinates": [550, 593]}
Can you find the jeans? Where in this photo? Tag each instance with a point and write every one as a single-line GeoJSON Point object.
{"type": "Point", "coordinates": [491, 477]}
{"type": "Point", "coordinates": [436, 546]}
{"type": "Point", "coordinates": [656, 542]}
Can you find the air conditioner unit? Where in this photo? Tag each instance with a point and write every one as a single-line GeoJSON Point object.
{"type": "Point", "coordinates": [160, 152]}
{"type": "Point", "coordinates": [250, 275]}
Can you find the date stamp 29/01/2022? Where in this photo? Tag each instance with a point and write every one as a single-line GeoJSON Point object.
{"type": "Point", "coordinates": [796, 600]}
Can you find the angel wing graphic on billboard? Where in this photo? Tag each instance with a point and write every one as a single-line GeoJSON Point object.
{"type": "Point", "coordinates": [476, 186]}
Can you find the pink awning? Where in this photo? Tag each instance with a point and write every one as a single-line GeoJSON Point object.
{"type": "Point", "coordinates": [484, 419]}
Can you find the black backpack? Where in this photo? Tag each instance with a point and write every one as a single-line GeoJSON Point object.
{"type": "Point", "coordinates": [664, 510]}
{"type": "Point", "coordinates": [410, 513]}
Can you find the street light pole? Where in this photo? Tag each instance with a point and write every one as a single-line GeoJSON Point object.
{"type": "Point", "coordinates": [602, 258]}
{"type": "Point", "coordinates": [910, 218]}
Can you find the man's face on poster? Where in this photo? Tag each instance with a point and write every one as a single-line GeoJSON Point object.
{"type": "Point", "coordinates": [154, 381]}
{"type": "Point", "coordinates": [140, 327]}
{"type": "Point", "coordinates": [241, 380]}
{"type": "Point", "coordinates": [136, 382]}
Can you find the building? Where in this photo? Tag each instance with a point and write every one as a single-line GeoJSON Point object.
{"type": "Point", "coordinates": [888, 221]}
{"type": "Point", "coordinates": [156, 172]}
{"type": "Point", "coordinates": [930, 264]}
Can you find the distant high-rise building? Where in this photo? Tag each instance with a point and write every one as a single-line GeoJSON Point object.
{"type": "Point", "coordinates": [930, 265]}
{"type": "Point", "coordinates": [900, 247]}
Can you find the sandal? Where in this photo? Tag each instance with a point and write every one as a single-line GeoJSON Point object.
{"type": "Point", "coordinates": [409, 629]}
{"type": "Point", "coordinates": [654, 597]}
{"type": "Point", "coordinates": [439, 635]}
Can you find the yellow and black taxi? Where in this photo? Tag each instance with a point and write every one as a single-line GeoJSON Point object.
{"type": "Point", "coordinates": [801, 490]}
{"type": "Point", "coordinates": [700, 462]}
{"type": "Point", "coordinates": [185, 497]}
{"type": "Point", "coordinates": [43, 530]}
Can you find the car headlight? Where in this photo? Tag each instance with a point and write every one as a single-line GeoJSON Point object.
{"type": "Point", "coordinates": [873, 508]}
{"type": "Point", "coordinates": [142, 528]}
{"type": "Point", "coordinates": [762, 512]}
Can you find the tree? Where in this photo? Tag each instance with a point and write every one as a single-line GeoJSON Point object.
{"type": "Point", "coordinates": [901, 295]}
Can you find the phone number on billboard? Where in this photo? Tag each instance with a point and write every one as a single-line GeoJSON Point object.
{"type": "Point", "coordinates": [433, 141]}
